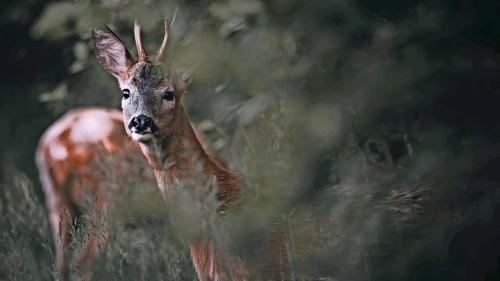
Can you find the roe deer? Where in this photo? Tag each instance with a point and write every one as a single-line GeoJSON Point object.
{"type": "Point", "coordinates": [73, 159]}
{"type": "Point", "coordinates": [154, 117]}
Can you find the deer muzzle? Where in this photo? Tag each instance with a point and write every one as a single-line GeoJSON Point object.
{"type": "Point", "coordinates": [142, 128]}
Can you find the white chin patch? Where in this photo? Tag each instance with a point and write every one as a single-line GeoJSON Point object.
{"type": "Point", "coordinates": [141, 137]}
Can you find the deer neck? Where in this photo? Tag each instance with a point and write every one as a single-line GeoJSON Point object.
{"type": "Point", "coordinates": [179, 157]}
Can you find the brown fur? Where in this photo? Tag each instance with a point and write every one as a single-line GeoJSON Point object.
{"type": "Point", "coordinates": [71, 158]}
{"type": "Point", "coordinates": [183, 158]}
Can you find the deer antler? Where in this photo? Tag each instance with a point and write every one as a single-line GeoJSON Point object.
{"type": "Point", "coordinates": [161, 51]}
{"type": "Point", "coordinates": [138, 43]}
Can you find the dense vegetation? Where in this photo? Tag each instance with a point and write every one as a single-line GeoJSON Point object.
{"type": "Point", "coordinates": [378, 117]}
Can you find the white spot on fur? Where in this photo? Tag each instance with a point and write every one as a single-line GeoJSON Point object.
{"type": "Point", "coordinates": [141, 137]}
{"type": "Point", "coordinates": [58, 151]}
{"type": "Point", "coordinates": [91, 127]}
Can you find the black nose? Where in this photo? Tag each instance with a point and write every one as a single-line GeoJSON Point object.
{"type": "Point", "coordinates": [141, 123]}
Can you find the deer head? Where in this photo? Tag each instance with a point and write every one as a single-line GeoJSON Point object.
{"type": "Point", "coordinates": [151, 101]}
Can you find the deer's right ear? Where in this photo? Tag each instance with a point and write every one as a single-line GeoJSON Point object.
{"type": "Point", "coordinates": [112, 53]}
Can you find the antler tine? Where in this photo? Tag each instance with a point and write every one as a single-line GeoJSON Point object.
{"type": "Point", "coordinates": [138, 43]}
{"type": "Point", "coordinates": [161, 51]}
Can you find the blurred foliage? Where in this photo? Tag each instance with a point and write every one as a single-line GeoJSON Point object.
{"type": "Point", "coordinates": [367, 129]}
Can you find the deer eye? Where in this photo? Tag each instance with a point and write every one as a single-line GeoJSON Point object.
{"type": "Point", "coordinates": [126, 93]}
{"type": "Point", "coordinates": [168, 95]}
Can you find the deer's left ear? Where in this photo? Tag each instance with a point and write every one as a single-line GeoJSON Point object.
{"type": "Point", "coordinates": [112, 53]}
{"type": "Point", "coordinates": [183, 82]}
